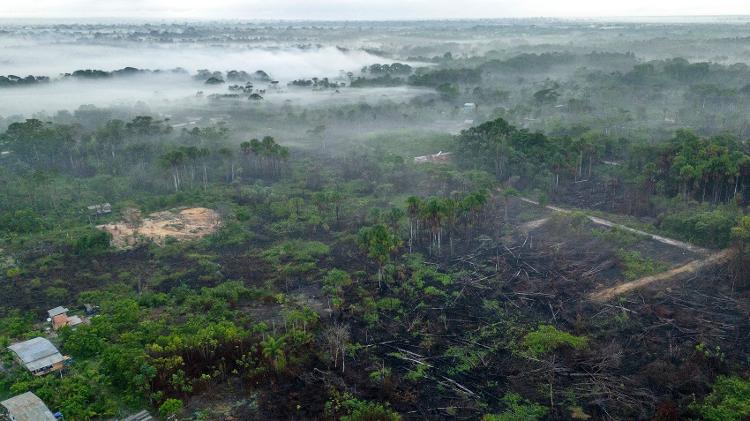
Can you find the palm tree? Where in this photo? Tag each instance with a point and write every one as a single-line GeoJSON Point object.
{"type": "Point", "coordinates": [432, 213]}
{"type": "Point", "coordinates": [450, 215]}
{"type": "Point", "coordinates": [192, 154]}
{"type": "Point", "coordinates": [472, 206]}
{"type": "Point", "coordinates": [394, 218]}
{"type": "Point", "coordinates": [273, 350]}
{"type": "Point", "coordinates": [203, 154]}
{"type": "Point", "coordinates": [379, 244]}
{"type": "Point", "coordinates": [173, 159]}
{"type": "Point", "coordinates": [413, 206]}
{"type": "Point", "coordinates": [226, 153]}
{"type": "Point", "coordinates": [246, 150]}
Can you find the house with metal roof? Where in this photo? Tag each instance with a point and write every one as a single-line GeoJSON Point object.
{"type": "Point", "coordinates": [438, 158]}
{"type": "Point", "coordinates": [140, 416]}
{"type": "Point", "coordinates": [39, 356]}
{"type": "Point", "coordinates": [59, 318]}
{"type": "Point", "coordinates": [27, 407]}
{"type": "Point", "coordinates": [100, 209]}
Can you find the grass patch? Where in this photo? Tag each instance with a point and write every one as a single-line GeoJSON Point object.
{"type": "Point", "coordinates": [634, 265]}
{"type": "Point", "coordinates": [547, 338]}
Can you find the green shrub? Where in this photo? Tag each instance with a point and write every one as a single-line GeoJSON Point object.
{"type": "Point", "coordinates": [710, 228]}
{"type": "Point", "coordinates": [729, 400]}
{"type": "Point", "coordinates": [518, 410]}
{"type": "Point", "coordinates": [24, 221]}
{"type": "Point", "coordinates": [170, 407]}
{"type": "Point", "coordinates": [617, 236]}
{"type": "Point", "coordinates": [346, 407]}
{"type": "Point", "coordinates": [547, 338]}
{"type": "Point", "coordinates": [92, 242]}
{"type": "Point", "coordinates": [635, 266]}
{"type": "Point", "coordinates": [296, 250]}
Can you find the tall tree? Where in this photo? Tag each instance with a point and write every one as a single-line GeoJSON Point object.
{"type": "Point", "coordinates": [379, 243]}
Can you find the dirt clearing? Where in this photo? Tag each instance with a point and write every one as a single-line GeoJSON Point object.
{"type": "Point", "coordinates": [180, 224]}
{"type": "Point", "coordinates": [684, 270]}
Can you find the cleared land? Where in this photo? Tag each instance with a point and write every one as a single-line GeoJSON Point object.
{"type": "Point", "coordinates": [675, 273]}
{"type": "Point", "coordinates": [181, 224]}
{"type": "Point", "coordinates": [679, 272]}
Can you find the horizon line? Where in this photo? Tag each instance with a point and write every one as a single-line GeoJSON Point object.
{"type": "Point", "coordinates": [410, 19]}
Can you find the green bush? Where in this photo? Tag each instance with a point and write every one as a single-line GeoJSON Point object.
{"type": "Point", "coordinates": [92, 242]}
{"type": "Point", "coordinates": [23, 221]}
{"type": "Point", "coordinates": [635, 266]}
{"type": "Point", "coordinates": [729, 400]}
{"type": "Point", "coordinates": [346, 407]}
{"type": "Point", "coordinates": [170, 407]}
{"type": "Point", "coordinates": [617, 236]}
{"type": "Point", "coordinates": [547, 338]}
{"type": "Point", "coordinates": [518, 410]}
{"type": "Point", "coordinates": [710, 228]}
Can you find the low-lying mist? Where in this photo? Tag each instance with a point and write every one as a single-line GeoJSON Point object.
{"type": "Point", "coordinates": [24, 57]}
{"type": "Point", "coordinates": [167, 90]}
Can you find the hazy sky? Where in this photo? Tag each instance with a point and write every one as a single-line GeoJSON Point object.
{"type": "Point", "coordinates": [364, 9]}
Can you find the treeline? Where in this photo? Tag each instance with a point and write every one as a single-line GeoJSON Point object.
{"type": "Point", "coordinates": [204, 75]}
{"type": "Point", "coordinates": [445, 76]}
{"type": "Point", "coordinates": [142, 144]}
{"type": "Point", "coordinates": [444, 80]}
{"type": "Point", "coordinates": [125, 71]}
{"type": "Point", "coordinates": [395, 68]}
{"type": "Point", "coordinates": [433, 219]}
{"type": "Point", "coordinates": [12, 80]}
{"type": "Point", "coordinates": [217, 77]}
{"type": "Point", "coordinates": [381, 81]}
{"type": "Point", "coordinates": [681, 181]}
{"type": "Point", "coordinates": [705, 169]}
{"type": "Point", "coordinates": [316, 83]}
{"type": "Point", "coordinates": [53, 171]}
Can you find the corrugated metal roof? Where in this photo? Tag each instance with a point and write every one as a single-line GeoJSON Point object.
{"type": "Point", "coordinates": [45, 362]}
{"type": "Point", "coordinates": [57, 310]}
{"type": "Point", "coordinates": [37, 353]}
{"type": "Point", "coordinates": [28, 407]}
{"type": "Point", "coordinates": [141, 416]}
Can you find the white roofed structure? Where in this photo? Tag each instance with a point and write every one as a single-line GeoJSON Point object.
{"type": "Point", "coordinates": [56, 311]}
{"type": "Point", "coordinates": [38, 355]}
{"type": "Point", "coordinates": [27, 407]}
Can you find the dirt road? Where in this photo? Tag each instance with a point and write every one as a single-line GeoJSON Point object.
{"type": "Point", "coordinates": [710, 259]}
{"type": "Point", "coordinates": [676, 273]}
{"type": "Point", "coordinates": [600, 221]}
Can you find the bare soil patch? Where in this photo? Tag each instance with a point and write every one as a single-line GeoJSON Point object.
{"type": "Point", "coordinates": [181, 224]}
{"type": "Point", "coordinates": [673, 274]}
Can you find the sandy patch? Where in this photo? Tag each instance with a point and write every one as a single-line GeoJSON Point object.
{"type": "Point", "coordinates": [183, 224]}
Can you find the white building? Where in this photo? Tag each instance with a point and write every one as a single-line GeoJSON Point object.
{"type": "Point", "coordinates": [470, 107]}
{"type": "Point", "coordinates": [27, 407]}
{"type": "Point", "coordinates": [39, 356]}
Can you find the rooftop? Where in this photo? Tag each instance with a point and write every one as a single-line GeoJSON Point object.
{"type": "Point", "coordinates": [74, 321]}
{"type": "Point", "coordinates": [57, 310]}
{"type": "Point", "coordinates": [37, 353]}
{"type": "Point", "coordinates": [27, 407]}
{"type": "Point", "coordinates": [141, 416]}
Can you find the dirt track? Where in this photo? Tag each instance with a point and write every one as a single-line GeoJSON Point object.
{"type": "Point", "coordinates": [674, 273]}
{"type": "Point", "coordinates": [600, 221]}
